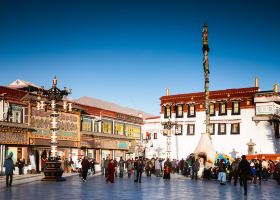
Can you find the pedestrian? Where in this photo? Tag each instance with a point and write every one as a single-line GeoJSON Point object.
{"type": "Point", "coordinates": [149, 167]}
{"type": "Point", "coordinates": [102, 167]}
{"type": "Point", "coordinates": [264, 169]}
{"type": "Point", "coordinates": [244, 172]}
{"type": "Point", "coordinates": [43, 162]}
{"type": "Point", "coordinates": [106, 164]}
{"type": "Point", "coordinates": [129, 167]}
{"type": "Point", "coordinates": [140, 166]}
{"type": "Point", "coordinates": [253, 172]}
{"type": "Point", "coordinates": [111, 172]}
{"type": "Point", "coordinates": [222, 172]}
{"type": "Point", "coordinates": [157, 167]}
{"type": "Point", "coordinates": [20, 166]}
{"type": "Point", "coordinates": [181, 165]}
{"type": "Point", "coordinates": [234, 168]}
{"type": "Point", "coordinates": [258, 166]}
{"type": "Point", "coordinates": [121, 167]}
{"type": "Point", "coordinates": [195, 168]}
{"type": "Point", "coordinates": [85, 166]}
{"type": "Point", "coordinates": [167, 169]}
{"type": "Point", "coordinates": [116, 167]}
{"type": "Point", "coordinates": [9, 169]}
{"type": "Point", "coordinates": [92, 166]}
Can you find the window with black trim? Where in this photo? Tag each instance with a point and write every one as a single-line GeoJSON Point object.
{"type": "Point", "coordinates": [155, 136]}
{"type": "Point", "coordinates": [191, 129]}
{"type": "Point", "coordinates": [212, 109]}
{"type": "Point", "coordinates": [235, 108]}
{"type": "Point", "coordinates": [235, 129]}
{"type": "Point", "coordinates": [179, 129]}
{"type": "Point", "coordinates": [167, 112]}
{"type": "Point", "coordinates": [223, 108]}
{"type": "Point", "coordinates": [222, 129]}
{"type": "Point", "coordinates": [212, 129]}
{"type": "Point", "coordinates": [191, 110]}
{"type": "Point", "coordinates": [179, 111]}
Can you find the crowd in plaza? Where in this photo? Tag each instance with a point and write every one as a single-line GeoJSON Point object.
{"type": "Point", "coordinates": [224, 170]}
{"type": "Point", "coordinates": [240, 170]}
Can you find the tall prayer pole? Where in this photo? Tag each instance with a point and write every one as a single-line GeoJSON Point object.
{"type": "Point", "coordinates": [206, 49]}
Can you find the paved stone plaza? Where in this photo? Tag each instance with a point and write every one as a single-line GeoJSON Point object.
{"type": "Point", "coordinates": [150, 188]}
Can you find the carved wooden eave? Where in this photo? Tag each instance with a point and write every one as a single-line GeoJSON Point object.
{"type": "Point", "coordinates": [12, 133]}
{"type": "Point", "coordinates": [104, 135]}
{"type": "Point", "coordinates": [16, 126]}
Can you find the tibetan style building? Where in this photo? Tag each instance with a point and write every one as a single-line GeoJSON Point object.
{"type": "Point", "coordinates": [108, 130]}
{"type": "Point", "coordinates": [243, 121]}
{"type": "Point", "coordinates": [93, 127]}
{"type": "Point", "coordinates": [25, 131]}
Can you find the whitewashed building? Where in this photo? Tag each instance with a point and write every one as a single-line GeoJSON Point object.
{"type": "Point", "coordinates": [243, 121]}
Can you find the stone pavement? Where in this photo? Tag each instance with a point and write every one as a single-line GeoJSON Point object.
{"type": "Point", "coordinates": [151, 188]}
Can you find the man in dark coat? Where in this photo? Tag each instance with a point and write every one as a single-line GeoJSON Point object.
{"type": "Point", "coordinates": [140, 166]}
{"type": "Point", "coordinates": [244, 171]}
{"type": "Point", "coordinates": [9, 169]}
{"type": "Point", "coordinates": [195, 169]}
{"type": "Point", "coordinates": [106, 163]}
{"type": "Point", "coordinates": [85, 167]}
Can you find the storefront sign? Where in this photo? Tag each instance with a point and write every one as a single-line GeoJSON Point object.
{"type": "Point", "coordinates": [123, 145]}
{"type": "Point", "coordinates": [67, 124]}
{"type": "Point", "coordinates": [129, 118]}
{"type": "Point", "coordinates": [13, 138]}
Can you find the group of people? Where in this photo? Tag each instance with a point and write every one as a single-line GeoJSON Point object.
{"type": "Point", "coordinates": [112, 168]}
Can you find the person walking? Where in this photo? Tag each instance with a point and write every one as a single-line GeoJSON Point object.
{"type": "Point", "coordinates": [264, 169]}
{"type": "Point", "coordinates": [157, 167]}
{"type": "Point", "coordinates": [9, 169]}
{"type": "Point", "coordinates": [92, 166]}
{"type": "Point", "coordinates": [140, 166]}
{"type": "Point", "coordinates": [116, 167]}
{"type": "Point", "coordinates": [244, 171]}
{"type": "Point", "coordinates": [222, 172]}
{"type": "Point", "coordinates": [195, 168]}
{"type": "Point", "coordinates": [111, 172]}
{"type": "Point", "coordinates": [258, 166]}
{"type": "Point", "coordinates": [234, 168]}
{"type": "Point", "coordinates": [121, 167]}
{"type": "Point", "coordinates": [102, 167]}
{"type": "Point", "coordinates": [85, 164]}
{"type": "Point", "coordinates": [167, 169]}
{"type": "Point", "coordinates": [20, 166]}
{"type": "Point", "coordinates": [106, 164]}
{"type": "Point", "coordinates": [129, 167]}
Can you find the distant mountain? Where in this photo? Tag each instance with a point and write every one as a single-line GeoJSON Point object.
{"type": "Point", "coordinates": [89, 101]}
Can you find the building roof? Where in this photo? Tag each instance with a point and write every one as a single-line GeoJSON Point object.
{"type": "Point", "coordinates": [218, 94]}
{"type": "Point", "coordinates": [13, 95]}
{"type": "Point", "coordinates": [97, 103]}
{"type": "Point", "coordinates": [22, 84]}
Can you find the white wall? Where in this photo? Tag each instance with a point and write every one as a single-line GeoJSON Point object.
{"type": "Point", "coordinates": [261, 133]}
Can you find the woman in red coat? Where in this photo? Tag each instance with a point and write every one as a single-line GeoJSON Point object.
{"type": "Point", "coordinates": [111, 172]}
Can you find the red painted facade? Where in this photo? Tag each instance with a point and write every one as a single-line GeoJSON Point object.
{"type": "Point", "coordinates": [244, 95]}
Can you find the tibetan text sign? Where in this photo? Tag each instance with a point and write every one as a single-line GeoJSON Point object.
{"type": "Point", "coordinates": [129, 118]}
{"type": "Point", "coordinates": [67, 123]}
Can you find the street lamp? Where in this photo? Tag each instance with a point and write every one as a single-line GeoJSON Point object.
{"type": "Point", "coordinates": [53, 171]}
{"type": "Point", "coordinates": [168, 131]}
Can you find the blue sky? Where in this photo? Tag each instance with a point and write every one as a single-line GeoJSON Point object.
{"type": "Point", "coordinates": [128, 52]}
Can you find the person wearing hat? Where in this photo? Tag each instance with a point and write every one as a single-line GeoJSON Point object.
{"type": "Point", "coordinates": [9, 169]}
